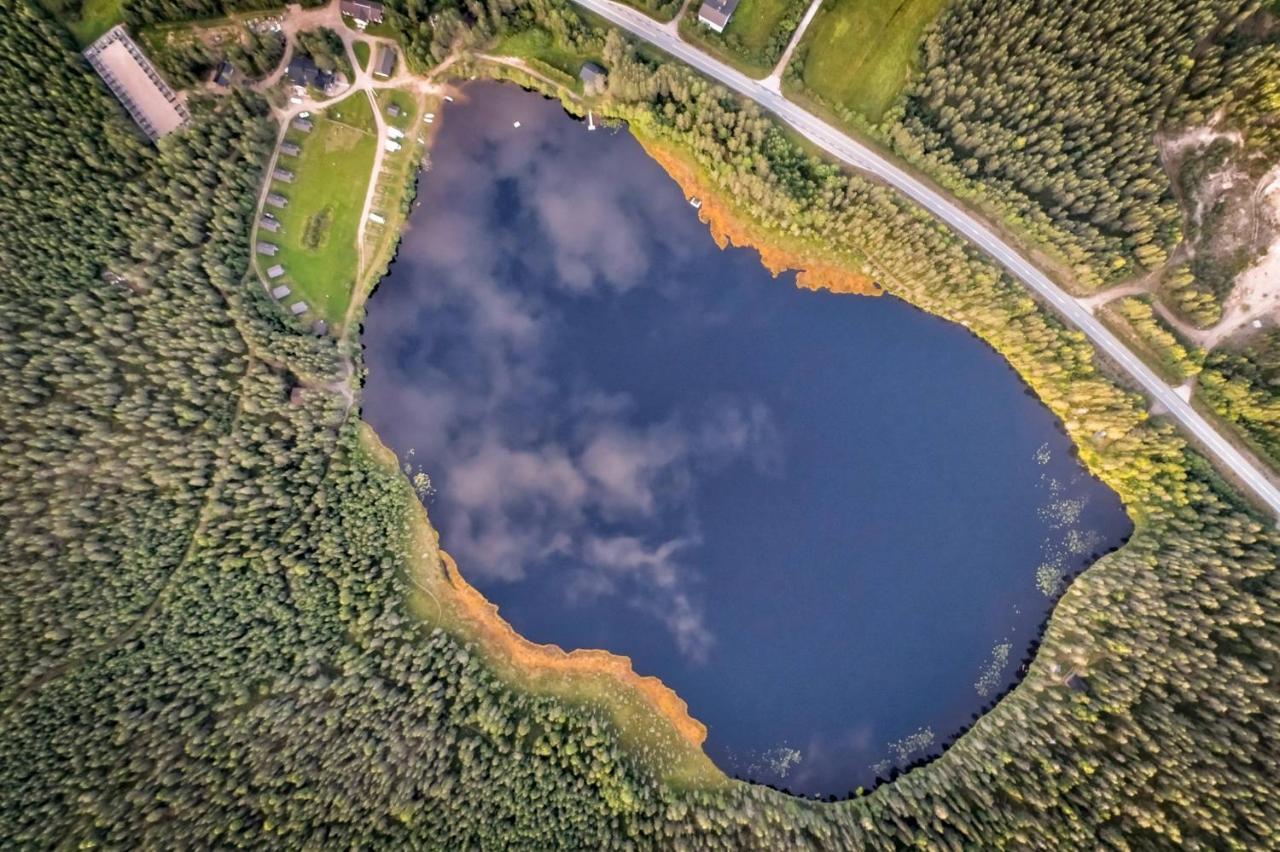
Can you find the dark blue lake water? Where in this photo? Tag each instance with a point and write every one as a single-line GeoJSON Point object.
{"type": "Point", "coordinates": [833, 524]}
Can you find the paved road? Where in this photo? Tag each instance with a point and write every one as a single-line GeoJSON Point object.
{"type": "Point", "coordinates": [849, 150]}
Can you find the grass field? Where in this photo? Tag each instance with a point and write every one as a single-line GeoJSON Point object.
{"type": "Point", "coordinates": [96, 17]}
{"type": "Point", "coordinates": [361, 49]}
{"type": "Point", "coordinates": [319, 226]}
{"type": "Point", "coordinates": [858, 54]}
{"type": "Point", "coordinates": [756, 36]}
{"type": "Point", "coordinates": [538, 45]}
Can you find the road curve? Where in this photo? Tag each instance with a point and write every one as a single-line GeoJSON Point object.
{"type": "Point", "coordinates": [845, 148]}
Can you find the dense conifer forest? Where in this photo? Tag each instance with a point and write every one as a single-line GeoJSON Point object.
{"type": "Point", "coordinates": [1064, 118]}
{"type": "Point", "coordinates": [206, 638]}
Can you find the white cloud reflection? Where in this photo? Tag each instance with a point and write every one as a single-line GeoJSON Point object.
{"type": "Point", "coordinates": [538, 471]}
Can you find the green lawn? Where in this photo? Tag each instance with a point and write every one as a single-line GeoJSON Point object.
{"type": "Point", "coordinates": [405, 101]}
{"type": "Point", "coordinates": [756, 36]}
{"type": "Point", "coordinates": [318, 238]}
{"type": "Point", "coordinates": [859, 53]}
{"type": "Point", "coordinates": [361, 49]}
{"type": "Point", "coordinates": [538, 45]}
{"type": "Point", "coordinates": [96, 17]}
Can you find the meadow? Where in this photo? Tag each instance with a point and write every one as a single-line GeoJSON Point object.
{"type": "Point", "coordinates": [318, 239]}
{"type": "Point", "coordinates": [858, 54]}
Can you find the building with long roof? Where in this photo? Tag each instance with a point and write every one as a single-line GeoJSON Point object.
{"type": "Point", "coordinates": [135, 82]}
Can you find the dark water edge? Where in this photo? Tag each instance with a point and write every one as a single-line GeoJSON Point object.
{"type": "Point", "coordinates": [496, 591]}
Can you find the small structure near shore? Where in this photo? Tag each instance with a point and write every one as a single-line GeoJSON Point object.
{"type": "Point", "coordinates": [593, 78]}
{"type": "Point", "coordinates": [290, 149]}
{"type": "Point", "coordinates": [275, 271]}
{"type": "Point", "coordinates": [267, 222]}
{"type": "Point", "coordinates": [268, 249]}
{"type": "Point", "coordinates": [283, 175]}
{"type": "Point", "coordinates": [275, 199]}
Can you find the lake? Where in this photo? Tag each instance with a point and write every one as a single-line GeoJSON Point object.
{"type": "Point", "coordinates": [833, 524]}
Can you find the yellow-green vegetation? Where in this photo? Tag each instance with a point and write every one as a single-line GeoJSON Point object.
{"type": "Point", "coordinates": [320, 224]}
{"type": "Point", "coordinates": [1134, 318]}
{"type": "Point", "coordinates": [544, 54]}
{"type": "Point", "coordinates": [756, 36]}
{"type": "Point", "coordinates": [858, 54]}
{"type": "Point", "coordinates": [361, 50]}
{"type": "Point", "coordinates": [95, 18]}
{"type": "Point", "coordinates": [392, 193]}
{"type": "Point", "coordinates": [1242, 385]}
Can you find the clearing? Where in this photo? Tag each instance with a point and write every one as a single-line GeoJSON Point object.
{"type": "Point", "coordinates": [858, 54]}
{"type": "Point", "coordinates": [318, 231]}
{"type": "Point", "coordinates": [95, 18]}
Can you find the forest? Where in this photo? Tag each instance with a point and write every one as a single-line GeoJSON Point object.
{"type": "Point", "coordinates": [206, 638]}
{"type": "Point", "coordinates": [1064, 120]}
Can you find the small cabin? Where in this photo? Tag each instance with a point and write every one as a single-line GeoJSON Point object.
{"type": "Point", "coordinates": [302, 125]}
{"type": "Point", "coordinates": [281, 291]}
{"type": "Point", "coordinates": [275, 199]}
{"type": "Point", "coordinates": [290, 149]}
{"type": "Point", "coordinates": [283, 175]}
{"type": "Point", "coordinates": [275, 271]}
{"type": "Point", "coordinates": [593, 78]}
{"type": "Point", "coordinates": [269, 223]}
{"type": "Point", "coordinates": [268, 249]}
{"type": "Point", "coordinates": [298, 308]}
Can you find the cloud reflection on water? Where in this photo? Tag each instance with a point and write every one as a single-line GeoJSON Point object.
{"type": "Point", "coordinates": [546, 471]}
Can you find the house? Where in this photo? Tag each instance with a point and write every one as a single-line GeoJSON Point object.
{"type": "Point", "coordinates": [290, 149]}
{"type": "Point", "coordinates": [716, 13]}
{"type": "Point", "coordinates": [319, 328]}
{"type": "Point", "coordinates": [298, 308]}
{"type": "Point", "coordinates": [391, 145]}
{"type": "Point", "coordinates": [302, 70]}
{"type": "Point", "coordinates": [302, 125]}
{"type": "Point", "coordinates": [275, 271]}
{"type": "Point", "coordinates": [269, 249]}
{"type": "Point", "coordinates": [276, 200]}
{"type": "Point", "coordinates": [282, 175]}
{"type": "Point", "coordinates": [593, 78]}
{"type": "Point", "coordinates": [269, 223]}
{"type": "Point", "coordinates": [364, 12]}
{"type": "Point", "coordinates": [281, 291]}
{"type": "Point", "coordinates": [134, 81]}
{"type": "Point", "coordinates": [394, 110]}
{"type": "Point", "coordinates": [225, 74]}
{"type": "Point", "coordinates": [386, 64]}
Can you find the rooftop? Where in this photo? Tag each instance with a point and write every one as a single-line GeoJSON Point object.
{"type": "Point", "coordinates": [275, 271]}
{"type": "Point", "coordinates": [716, 13]}
{"type": "Point", "coordinates": [134, 81]}
{"type": "Point", "coordinates": [386, 61]}
{"type": "Point", "coordinates": [365, 11]}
